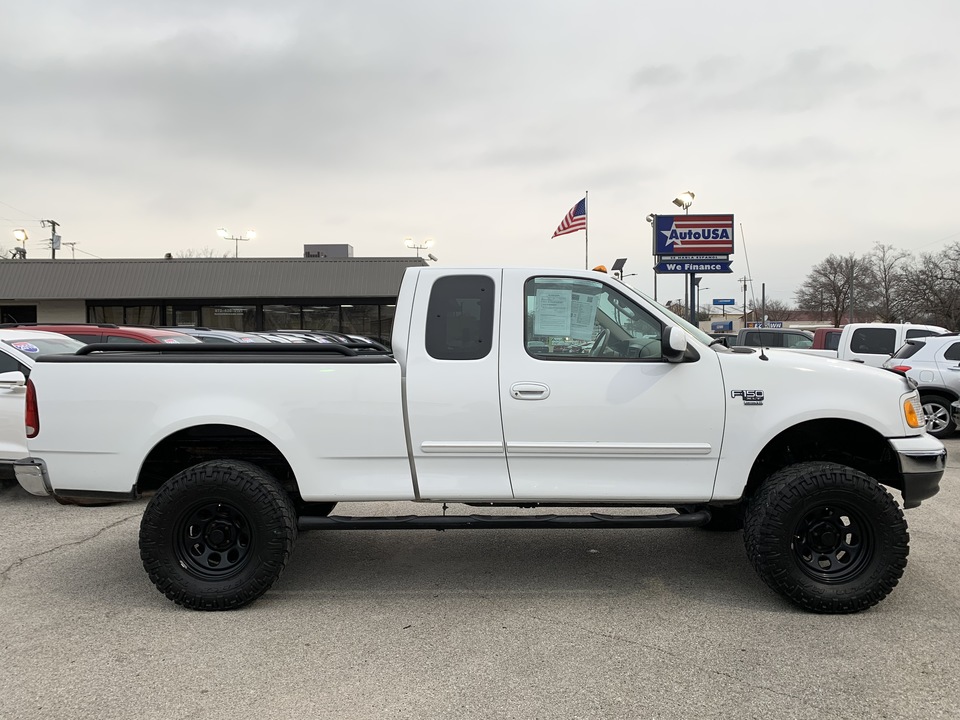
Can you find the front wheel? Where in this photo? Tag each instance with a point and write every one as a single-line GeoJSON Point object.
{"type": "Point", "coordinates": [217, 535]}
{"type": "Point", "coordinates": [826, 537]}
{"type": "Point", "coordinates": [939, 418]}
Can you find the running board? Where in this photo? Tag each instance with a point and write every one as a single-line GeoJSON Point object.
{"type": "Point", "coordinates": [476, 522]}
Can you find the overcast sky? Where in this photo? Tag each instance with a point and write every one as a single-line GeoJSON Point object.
{"type": "Point", "coordinates": [824, 127]}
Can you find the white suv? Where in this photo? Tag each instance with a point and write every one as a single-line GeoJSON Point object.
{"type": "Point", "coordinates": [934, 363]}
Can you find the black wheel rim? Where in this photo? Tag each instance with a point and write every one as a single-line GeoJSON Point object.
{"type": "Point", "coordinates": [833, 543]}
{"type": "Point", "coordinates": [213, 540]}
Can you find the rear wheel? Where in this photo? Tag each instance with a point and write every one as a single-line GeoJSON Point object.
{"type": "Point", "coordinates": [826, 537]}
{"type": "Point", "coordinates": [939, 418]}
{"type": "Point", "coordinates": [217, 535]}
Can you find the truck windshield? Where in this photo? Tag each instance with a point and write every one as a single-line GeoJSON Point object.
{"type": "Point", "coordinates": [685, 324]}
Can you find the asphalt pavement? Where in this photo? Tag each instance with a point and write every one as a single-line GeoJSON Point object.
{"type": "Point", "coordinates": [468, 624]}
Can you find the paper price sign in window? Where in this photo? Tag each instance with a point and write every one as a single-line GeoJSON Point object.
{"type": "Point", "coordinates": [564, 313]}
{"type": "Point", "coordinates": [583, 315]}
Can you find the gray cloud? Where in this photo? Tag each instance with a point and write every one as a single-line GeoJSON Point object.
{"type": "Point", "coordinates": [809, 152]}
{"type": "Point", "coordinates": [657, 75]}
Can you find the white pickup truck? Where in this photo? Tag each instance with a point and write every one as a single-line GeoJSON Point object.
{"type": "Point", "coordinates": [868, 343]}
{"type": "Point", "coordinates": [505, 387]}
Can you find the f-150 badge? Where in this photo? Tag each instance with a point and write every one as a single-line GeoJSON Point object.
{"type": "Point", "coordinates": [749, 397]}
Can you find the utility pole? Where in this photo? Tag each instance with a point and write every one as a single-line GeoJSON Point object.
{"type": "Point", "coordinates": [53, 236]}
{"type": "Point", "coordinates": [851, 289]}
{"type": "Point", "coordinates": [744, 280]}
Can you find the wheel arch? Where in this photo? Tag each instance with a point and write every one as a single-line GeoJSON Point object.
{"type": "Point", "coordinates": [201, 443]}
{"type": "Point", "coordinates": [945, 392]}
{"type": "Point", "coordinates": [846, 442]}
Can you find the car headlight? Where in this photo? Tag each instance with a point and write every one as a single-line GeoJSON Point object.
{"type": "Point", "coordinates": [913, 410]}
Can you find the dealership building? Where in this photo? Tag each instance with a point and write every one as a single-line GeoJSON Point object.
{"type": "Point", "coordinates": [347, 294]}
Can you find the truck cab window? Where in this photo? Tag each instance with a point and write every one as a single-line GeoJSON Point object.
{"type": "Point", "coordinates": [577, 319]}
{"type": "Point", "coordinates": [460, 318]}
{"type": "Point", "coordinates": [874, 341]}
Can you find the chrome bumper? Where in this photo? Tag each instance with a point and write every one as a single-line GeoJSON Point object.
{"type": "Point", "coordinates": [31, 473]}
{"type": "Point", "coordinates": [923, 460]}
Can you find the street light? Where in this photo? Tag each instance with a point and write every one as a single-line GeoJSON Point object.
{"type": "Point", "coordinates": [414, 245]}
{"type": "Point", "coordinates": [21, 236]}
{"type": "Point", "coordinates": [684, 200]}
{"type": "Point", "coordinates": [225, 234]}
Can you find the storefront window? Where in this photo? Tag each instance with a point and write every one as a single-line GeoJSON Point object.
{"type": "Point", "coordinates": [229, 317]}
{"type": "Point", "coordinates": [387, 313]}
{"type": "Point", "coordinates": [281, 317]}
{"type": "Point", "coordinates": [106, 314]}
{"type": "Point", "coordinates": [360, 320]}
{"type": "Point", "coordinates": [321, 317]}
{"type": "Point", "coordinates": [142, 315]}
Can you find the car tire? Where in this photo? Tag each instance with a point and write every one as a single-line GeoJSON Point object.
{"type": "Point", "coordinates": [217, 535]}
{"type": "Point", "coordinates": [939, 417]}
{"type": "Point", "coordinates": [826, 537]}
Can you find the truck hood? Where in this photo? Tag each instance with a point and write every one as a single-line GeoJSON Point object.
{"type": "Point", "coordinates": [798, 387]}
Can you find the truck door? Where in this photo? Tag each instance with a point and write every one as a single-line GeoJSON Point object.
{"type": "Point", "coordinates": [591, 410]}
{"type": "Point", "coordinates": [450, 386]}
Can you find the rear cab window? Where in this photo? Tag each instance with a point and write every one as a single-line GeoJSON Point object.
{"type": "Point", "coordinates": [874, 341]}
{"type": "Point", "coordinates": [460, 316]}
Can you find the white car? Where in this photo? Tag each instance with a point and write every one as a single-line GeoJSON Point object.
{"type": "Point", "coordinates": [18, 350]}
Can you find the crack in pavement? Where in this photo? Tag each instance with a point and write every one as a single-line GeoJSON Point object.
{"type": "Point", "coordinates": [5, 573]}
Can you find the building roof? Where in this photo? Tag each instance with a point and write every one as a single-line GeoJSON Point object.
{"type": "Point", "coordinates": [174, 278]}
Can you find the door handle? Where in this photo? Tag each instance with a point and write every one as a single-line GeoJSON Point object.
{"type": "Point", "coordinates": [529, 391]}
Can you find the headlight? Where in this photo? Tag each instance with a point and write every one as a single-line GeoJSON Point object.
{"type": "Point", "coordinates": [913, 411]}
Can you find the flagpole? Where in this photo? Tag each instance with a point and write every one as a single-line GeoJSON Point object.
{"type": "Point", "coordinates": [586, 232]}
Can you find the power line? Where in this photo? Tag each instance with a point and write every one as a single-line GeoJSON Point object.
{"type": "Point", "coordinates": [85, 252]}
{"type": "Point", "coordinates": [934, 242]}
{"type": "Point", "coordinates": [22, 212]}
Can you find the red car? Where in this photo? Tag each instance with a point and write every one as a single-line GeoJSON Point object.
{"type": "Point", "coordinates": [107, 333]}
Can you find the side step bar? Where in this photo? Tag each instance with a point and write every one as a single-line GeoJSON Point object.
{"type": "Point", "coordinates": [476, 522]}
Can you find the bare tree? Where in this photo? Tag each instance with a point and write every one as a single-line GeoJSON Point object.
{"type": "Point", "coordinates": [205, 252]}
{"type": "Point", "coordinates": [889, 267]}
{"type": "Point", "coordinates": [935, 280]}
{"type": "Point", "coordinates": [828, 286]}
{"type": "Point", "coordinates": [777, 310]}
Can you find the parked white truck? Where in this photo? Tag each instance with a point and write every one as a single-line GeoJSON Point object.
{"type": "Point", "coordinates": [868, 343]}
{"type": "Point", "coordinates": [483, 402]}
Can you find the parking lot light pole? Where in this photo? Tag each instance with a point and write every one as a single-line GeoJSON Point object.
{"type": "Point", "coordinates": [225, 234]}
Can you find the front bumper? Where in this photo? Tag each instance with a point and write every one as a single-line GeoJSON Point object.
{"type": "Point", "coordinates": [31, 473]}
{"type": "Point", "coordinates": [922, 460]}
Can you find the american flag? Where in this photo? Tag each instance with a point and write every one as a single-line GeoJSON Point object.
{"type": "Point", "coordinates": [575, 220]}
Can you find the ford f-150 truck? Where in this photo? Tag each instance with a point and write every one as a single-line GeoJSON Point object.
{"type": "Point", "coordinates": [481, 403]}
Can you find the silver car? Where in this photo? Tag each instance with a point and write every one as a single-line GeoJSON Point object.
{"type": "Point", "coordinates": [934, 363]}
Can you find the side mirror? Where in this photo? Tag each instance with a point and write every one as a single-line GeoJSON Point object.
{"type": "Point", "coordinates": [673, 343]}
{"type": "Point", "coordinates": [12, 379]}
